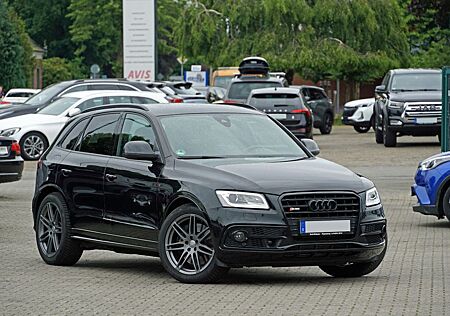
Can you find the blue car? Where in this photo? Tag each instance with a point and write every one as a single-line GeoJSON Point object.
{"type": "Point", "coordinates": [432, 186]}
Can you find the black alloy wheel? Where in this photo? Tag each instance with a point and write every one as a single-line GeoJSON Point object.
{"type": "Point", "coordinates": [327, 124]}
{"type": "Point", "coordinates": [52, 232]}
{"type": "Point", "coordinates": [186, 248]}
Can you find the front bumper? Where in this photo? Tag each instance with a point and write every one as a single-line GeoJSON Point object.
{"type": "Point", "coordinates": [11, 170]}
{"type": "Point", "coordinates": [417, 129]}
{"type": "Point", "coordinates": [425, 205]}
{"type": "Point", "coordinates": [355, 117]}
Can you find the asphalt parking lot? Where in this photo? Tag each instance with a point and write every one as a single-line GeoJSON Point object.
{"type": "Point", "coordinates": [414, 278]}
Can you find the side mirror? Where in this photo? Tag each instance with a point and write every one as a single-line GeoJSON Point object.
{"type": "Point", "coordinates": [380, 89]}
{"type": "Point", "coordinates": [73, 112]}
{"type": "Point", "coordinates": [311, 146]}
{"type": "Point", "coordinates": [139, 150]}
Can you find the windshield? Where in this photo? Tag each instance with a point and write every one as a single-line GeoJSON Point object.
{"type": "Point", "coordinates": [417, 82]}
{"type": "Point", "coordinates": [45, 95]}
{"type": "Point", "coordinates": [205, 136]}
{"type": "Point", "coordinates": [222, 81]}
{"type": "Point", "coordinates": [241, 90]}
{"type": "Point", "coordinates": [59, 106]}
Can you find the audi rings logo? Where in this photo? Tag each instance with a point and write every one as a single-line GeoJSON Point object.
{"type": "Point", "coordinates": [322, 205]}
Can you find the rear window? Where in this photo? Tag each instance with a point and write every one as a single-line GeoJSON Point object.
{"type": "Point", "coordinates": [241, 90]}
{"type": "Point", "coordinates": [19, 94]}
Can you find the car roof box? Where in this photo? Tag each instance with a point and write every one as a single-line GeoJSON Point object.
{"type": "Point", "coordinates": [254, 66]}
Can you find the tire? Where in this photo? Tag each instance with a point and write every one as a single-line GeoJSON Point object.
{"type": "Point", "coordinates": [355, 270]}
{"type": "Point", "coordinates": [33, 145]}
{"type": "Point", "coordinates": [439, 139]}
{"type": "Point", "coordinates": [189, 245]}
{"type": "Point", "coordinates": [327, 124]}
{"type": "Point", "coordinates": [372, 122]}
{"type": "Point", "coordinates": [378, 133]}
{"type": "Point", "coordinates": [446, 203]}
{"type": "Point", "coordinates": [361, 129]}
{"type": "Point", "coordinates": [389, 137]}
{"type": "Point", "coordinates": [53, 240]}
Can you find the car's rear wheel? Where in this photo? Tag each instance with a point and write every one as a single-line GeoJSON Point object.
{"type": "Point", "coordinates": [186, 248]}
{"type": "Point", "coordinates": [33, 145]}
{"type": "Point", "coordinates": [327, 124]}
{"type": "Point", "coordinates": [361, 129]}
{"type": "Point", "coordinates": [446, 203]}
{"type": "Point", "coordinates": [355, 270]}
{"type": "Point", "coordinates": [53, 232]}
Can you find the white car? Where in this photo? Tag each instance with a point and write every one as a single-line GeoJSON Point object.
{"type": "Point", "coordinates": [359, 114]}
{"type": "Point", "coordinates": [35, 132]}
{"type": "Point", "coordinates": [18, 95]}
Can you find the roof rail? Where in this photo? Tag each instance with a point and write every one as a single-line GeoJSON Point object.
{"type": "Point", "coordinates": [116, 106]}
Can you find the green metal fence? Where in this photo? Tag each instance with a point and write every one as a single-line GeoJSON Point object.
{"type": "Point", "coordinates": [445, 127]}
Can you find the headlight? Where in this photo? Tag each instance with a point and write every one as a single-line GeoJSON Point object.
{"type": "Point", "coordinates": [242, 200]}
{"type": "Point", "coordinates": [396, 105]}
{"type": "Point", "coordinates": [433, 162]}
{"type": "Point", "coordinates": [372, 197]}
{"type": "Point", "coordinates": [10, 131]}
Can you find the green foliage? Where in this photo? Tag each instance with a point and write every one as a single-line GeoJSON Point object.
{"type": "Point", "coordinates": [46, 23]}
{"type": "Point", "coordinates": [14, 56]}
{"type": "Point", "coordinates": [57, 69]}
{"type": "Point", "coordinates": [356, 40]}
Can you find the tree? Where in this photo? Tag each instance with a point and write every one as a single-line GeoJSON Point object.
{"type": "Point", "coordinates": [46, 23]}
{"type": "Point", "coordinates": [14, 51]}
{"type": "Point", "coordinates": [57, 69]}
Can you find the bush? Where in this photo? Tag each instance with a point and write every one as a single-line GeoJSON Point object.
{"type": "Point", "coordinates": [59, 69]}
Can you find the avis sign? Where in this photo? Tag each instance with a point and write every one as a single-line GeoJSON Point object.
{"type": "Point", "coordinates": [139, 39]}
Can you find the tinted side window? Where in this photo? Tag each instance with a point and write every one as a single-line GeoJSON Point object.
{"type": "Point", "coordinates": [323, 95]}
{"type": "Point", "coordinates": [119, 99]}
{"type": "Point", "coordinates": [136, 127]}
{"type": "Point", "coordinates": [71, 139]}
{"type": "Point", "coordinates": [91, 103]}
{"type": "Point", "coordinates": [145, 100]}
{"type": "Point", "coordinates": [315, 94]}
{"type": "Point", "coordinates": [99, 135]}
{"type": "Point", "coordinates": [77, 89]}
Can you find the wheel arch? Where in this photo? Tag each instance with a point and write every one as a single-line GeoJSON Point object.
{"type": "Point", "coordinates": [440, 196]}
{"type": "Point", "coordinates": [183, 198]}
{"type": "Point", "coordinates": [48, 189]}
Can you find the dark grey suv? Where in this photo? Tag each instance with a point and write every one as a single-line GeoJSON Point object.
{"type": "Point", "coordinates": [321, 106]}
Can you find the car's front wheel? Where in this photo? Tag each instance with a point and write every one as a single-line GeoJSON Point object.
{"type": "Point", "coordinates": [53, 232]}
{"type": "Point", "coordinates": [33, 145]}
{"type": "Point", "coordinates": [446, 203]}
{"type": "Point", "coordinates": [186, 248]}
{"type": "Point", "coordinates": [354, 270]}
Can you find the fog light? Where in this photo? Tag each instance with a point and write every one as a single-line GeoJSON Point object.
{"type": "Point", "coordinates": [240, 236]}
{"type": "Point", "coordinates": [395, 122]}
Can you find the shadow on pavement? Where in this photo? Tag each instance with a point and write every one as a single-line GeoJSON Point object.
{"type": "Point", "coordinates": [443, 223]}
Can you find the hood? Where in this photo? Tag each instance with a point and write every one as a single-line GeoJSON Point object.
{"type": "Point", "coordinates": [416, 96]}
{"type": "Point", "coordinates": [16, 109]}
{"type": "Point", "coordinates": [276, 177]}
{"type": "Point", "coordinates": [30, 119]}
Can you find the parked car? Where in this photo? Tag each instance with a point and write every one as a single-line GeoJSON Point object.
{"type": "Point", "coordinates": [432, 186]}
{"type": "Point", "coordinates": [253, 74]}
{"type": "Point", "coordinates": [408, 102]}
{"type": "Point", "coordinates": [11, 164]}
{"type": "Point", "coordinates": [35, 132]}
{"type": "Point", "coordinates": [285, 105]}
{"type": "Point", "coordinates": [18, 95]}
{"type": "Point", "coordinates": [359, 114]}
{"type": "Point", "coordinates": [51, 93]}
{"type": "Point", "coordinates": [206, 187]}
{"type": "Point", "coordinates": [220, 79]}
{"type": "Point", "coordinates": [181, 92]}
{"type": "Point", "coordinates": [321, 106]}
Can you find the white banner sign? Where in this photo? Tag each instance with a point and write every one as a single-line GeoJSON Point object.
{"type": "Point", "coordinates": [198, 78]}
{"type": "Point", "coordinates": [139, 41]}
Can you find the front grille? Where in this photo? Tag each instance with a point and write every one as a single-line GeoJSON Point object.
{"type": "Point", "coordinates": [296, 207]}
{"type": "Point", "coordinates": [423, 110]}
{"type": "Point", "coordinates": [349, 112]}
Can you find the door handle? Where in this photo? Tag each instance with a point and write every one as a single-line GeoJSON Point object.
{"type": "Point", "coordinates": [110, 177]}
{"type": "Point", "coordinates": [66, 172]}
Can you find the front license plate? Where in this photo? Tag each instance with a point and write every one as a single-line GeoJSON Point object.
{"type": "Point", "coordinates": [3, 150]}
{"type": "Point", "coordinates": [325, 227]}
{"type": "Point", "coordinates": [278, 116]}
{"type": "Point", "coordinates": [426, 120]}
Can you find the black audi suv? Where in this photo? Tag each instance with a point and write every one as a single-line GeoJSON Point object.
{"type": "Point", "coordinates": [206, 188]}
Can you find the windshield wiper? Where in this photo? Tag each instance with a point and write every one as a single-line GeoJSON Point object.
{"type": "Point", "coordinates": [427, 90]}
{"type": "Point", "coordinates": [202, 157]}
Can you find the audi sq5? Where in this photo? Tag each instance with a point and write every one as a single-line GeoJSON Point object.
{"type": "Point", "coordinates": [206, 188]}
